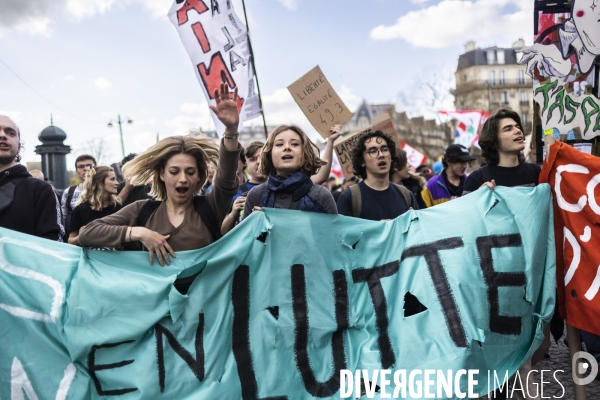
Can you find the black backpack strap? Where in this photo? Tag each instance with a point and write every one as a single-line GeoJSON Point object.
{"type": "Point", "coordinates": [147, 211]}
{"type": "Point", "coordinates": [70, 197]}
{"type": "Point", "coordinates": [487, 175]}
{"type": "Point", "coordinates": [208, 216]}
{"type": "Point", "coordinates": [7, 192]}
{"type": "Point", "coordinates": [244, 187]}
{"type": "Point", "coordinates": [356, 200]}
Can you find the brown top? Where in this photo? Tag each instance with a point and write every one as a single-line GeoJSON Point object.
{"type": "Point", "coordinates": [192, 234]}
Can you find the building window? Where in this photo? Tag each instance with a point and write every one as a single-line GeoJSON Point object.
{"type": "Point", "coordinates": [491, 57]}
{"type": "Point", "coordinates": [363, 122]}
{"type": "Point", "coordinates": [465, 78]}
{"type": "Point", "coordinates": [525, 119]}
{"type": "Point", "coordinates": [493, 77]}
{"type": "Point", "coordinates": [521, 77]}
{"type": "Point", "coordinates": [524, 101]}
{"type": "Point", "coordinates": [500, 56]}
{"type": "Point", "coordinates": [502, 78]}
{"type": "Point", "coordinates": [504, 97]}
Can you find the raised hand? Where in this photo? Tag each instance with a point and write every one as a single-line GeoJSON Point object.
{"type": "Point", "coordinates": [334, 133]}
{"type": "Point", "coordinates": [226, 109]}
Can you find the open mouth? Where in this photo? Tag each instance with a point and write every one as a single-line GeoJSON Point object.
{"type": "Point", "coordinates": [287, 157]}
{"type": "Point", "coordinates": [519, 139]}
{"type": "Point", "coordinates": [182, 190]}
{"type": "Point", "coordinates": [4, 146]}
{"type": "Point", "coordinates": [381, 164]}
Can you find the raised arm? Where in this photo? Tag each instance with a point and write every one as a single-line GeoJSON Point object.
{"type": "Point", "coordinates": [225, 182]}
{"type": "Point", "coordinates": [323, 174]}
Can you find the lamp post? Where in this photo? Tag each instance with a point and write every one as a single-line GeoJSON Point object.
{"type": "Point", "coordinates": [489, 93]}
{"type": "Point", "coordinates": [120, 122]}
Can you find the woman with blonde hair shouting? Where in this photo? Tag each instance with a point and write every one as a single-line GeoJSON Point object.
{"type": "Point", "coordinates": [178, 219]}
{"type": "Point", "coordinates": [98, 199]}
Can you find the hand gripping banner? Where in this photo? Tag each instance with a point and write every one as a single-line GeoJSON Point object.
{"type": "Point", "coordinates": [574, 177]}
{"type": "Point", "coordinates": [218, 44]}
{"type": "Point", "coordinates": [283, 304]}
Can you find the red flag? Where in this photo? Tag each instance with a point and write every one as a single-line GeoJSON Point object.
{"type": "Point", "coordinates": [574, 177]}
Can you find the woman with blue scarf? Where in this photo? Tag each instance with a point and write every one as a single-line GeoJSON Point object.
{"type": "Point", "coordinates": [289, 159]}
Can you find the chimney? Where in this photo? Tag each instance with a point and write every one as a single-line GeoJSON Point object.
{"type": "Point", "coordinates": [470, 46]}
{"type": "Point", "coordinates": [518, 44]}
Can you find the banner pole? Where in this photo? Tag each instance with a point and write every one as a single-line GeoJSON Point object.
{"type": "Point", "coordinates": [262, 112]}
{"type": "Point", "coordinates": [574, 347]}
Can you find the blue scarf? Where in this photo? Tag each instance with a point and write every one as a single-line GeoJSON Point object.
{"type": "Point", "coordinates": [298, 185]}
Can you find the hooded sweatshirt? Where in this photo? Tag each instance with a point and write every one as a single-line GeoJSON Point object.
{"type": "Point", "coordinates": [34, 209]}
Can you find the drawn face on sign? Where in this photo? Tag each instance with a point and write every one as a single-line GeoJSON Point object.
{"type": "Point", "coordinates": [586, 16]}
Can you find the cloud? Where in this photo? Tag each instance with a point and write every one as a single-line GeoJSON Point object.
{"type": "Point", "coordinates": [432, 27]}
{"type": "Point", "coordinates": [87, 8]}
{"type": "Point", "coordinates": [291, 5]}
{"type": "Point", "coordinates": [196, 115]}
{"type": "Point", "coordinates": [27, 16]}
{"type": "Point", "coordinates": [351, 100]}
{"type": "Point", "coordinates": [102, 83]}
{"type": "Point", "coordinates": [157, 8]}
{"type": "Point", "coordinates": [35, 16]}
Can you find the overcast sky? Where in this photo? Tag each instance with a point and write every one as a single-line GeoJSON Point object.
{"type": "Point", "coordinates": [86, 61]}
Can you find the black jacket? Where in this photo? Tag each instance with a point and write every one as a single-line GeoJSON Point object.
{"type": "Point", "coordinates": [34, 210]}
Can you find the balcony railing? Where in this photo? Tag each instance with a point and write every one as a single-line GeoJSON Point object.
{"type": "Point", "coordinates": [481, 84]}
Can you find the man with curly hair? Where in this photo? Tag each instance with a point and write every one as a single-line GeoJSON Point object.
{"type": "Point", "coordinates": [27, 204]}
{"type": "Point", "coordinates": [502, 141]}
{"type": "Point", "coordinates": [375, 198]}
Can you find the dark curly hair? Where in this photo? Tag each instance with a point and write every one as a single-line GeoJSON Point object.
{"type": "Point", "coordinates": [488, 138]}
{"type": "Point", "coordinates": [358, 153]}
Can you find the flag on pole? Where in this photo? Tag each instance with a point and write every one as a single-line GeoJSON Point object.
{"type": "Point", "coordinates": [467, 125]}
{"type": "Point", "coordinates": [413, 156]}
{"type": "Point", "coordinates": [218, 44]}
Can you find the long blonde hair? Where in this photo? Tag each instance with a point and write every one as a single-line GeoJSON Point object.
{"type": "Point", "coordinates": [93, 188]}
{"type": "Point", "coordinates": [148, 166]}
{"type": "Point", "coordinates": [310, 159]}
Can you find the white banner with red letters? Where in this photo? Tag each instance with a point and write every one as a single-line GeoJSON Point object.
{"type": "Point", "coordinates": [218, 44]}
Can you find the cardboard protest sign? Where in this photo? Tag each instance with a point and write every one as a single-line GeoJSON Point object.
{"type": "Point", "coordinates": [218, 45]}
{"type": "Point", "coordinates": [574, 177]}
{"type": "Point", "coordinates": [344, 145]}
{"type": "Point", "coordinates": [319, 102]}
{"type": "Point", "coordinates": [279, 312]}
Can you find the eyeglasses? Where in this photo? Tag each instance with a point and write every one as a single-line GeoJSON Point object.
{"type": "Point", "coordinates": [84, 166]}
{"type": "Point", "coordinates": [374, 152]}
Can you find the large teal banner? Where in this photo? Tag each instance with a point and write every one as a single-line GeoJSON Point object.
{"type": "Point", "coordinates": [283, 304]}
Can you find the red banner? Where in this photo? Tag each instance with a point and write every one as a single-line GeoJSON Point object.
{"type": "Point", "coordinates": [574, 177]}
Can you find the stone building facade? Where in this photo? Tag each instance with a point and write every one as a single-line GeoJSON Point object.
{"type": "Point", "coordinates": [425, 135]}
{"type": "Point", "coordinates": [490, 78]}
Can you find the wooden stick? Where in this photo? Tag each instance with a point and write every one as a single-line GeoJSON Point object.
{"type": "Point", "coordinates": [574, 347]}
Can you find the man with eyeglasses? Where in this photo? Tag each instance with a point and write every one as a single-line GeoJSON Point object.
{"type": "Point", "coordinates": [375, 198]}
{"type": "Point", "coordinates": [70, 196]}
{"type": "Point", "coordinates": [27, 204]}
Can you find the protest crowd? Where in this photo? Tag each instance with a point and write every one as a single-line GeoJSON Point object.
{"type": "Point", "coordinates": [186, 192]}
